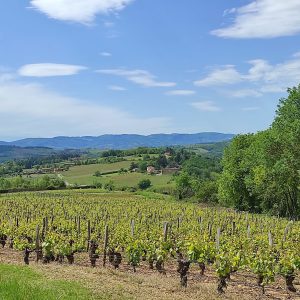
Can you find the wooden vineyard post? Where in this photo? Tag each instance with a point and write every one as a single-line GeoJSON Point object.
{"type": "Point", "coordinates": [78, 227]}
{"type": "Point", "coordinates": [132, 227]}
{"type": "Point", "coordinates": [233, 228]}
{"type": "Point", "coordinates": [37, 244]}
{"type": "Point", "coordinates": [105, 245]}
{"type": "Point", "coordinates": [200, 223]}
{"type": "Point", "coordinates": [248, 231]}
{"type": "Point", "coordinates": [270, 239]}
{"type": "Point", "coordinates": [46, 224]}
{"type": "Point", "coordinates": [44, 229]}
{"type": "Point", "coordinates": [88, 235]}
{"type": "Point", "coordinates": [166, 227]}
{"type": "Point", "coordinates": [218, 239]}
{"type": "Point", "coordinates": [209, 230]}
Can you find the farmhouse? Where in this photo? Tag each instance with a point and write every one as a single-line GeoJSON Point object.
{"type": "Point", "coordinates": [151, 170]}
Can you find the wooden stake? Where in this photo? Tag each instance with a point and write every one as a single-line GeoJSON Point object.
{"type": "Point", "coordinates": [37, 243]}
{"type": "Point", "coordinates": [270, 239]}
{"type": "Point", "coordinates": [166, 226]}
{"type": "Point", "coordinates": [218, 238]}
{"type": "Point", "coordinates": [105, 245]}
{"type": "Point", "coordinates": [132, 227]}
{"type": "Point", "coordinates": [88, 235]}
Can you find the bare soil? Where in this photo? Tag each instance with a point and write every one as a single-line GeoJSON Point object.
{"type": "Point", "coordinates": [148, 284]}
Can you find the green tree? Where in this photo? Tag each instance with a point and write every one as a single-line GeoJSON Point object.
{"type": "Point", "coordinates": [184, 186]}
{"type": "Point", "coordinates": [97, 174]}
{"type": "Point", "coordinates": [144, 184]}
{"type": "Point", "coordinates": [207, 191]}
{"type": "Point", "coordinates": [261, 171]}
{"type": "Point", "coordinates": [232, 187]}
{"type": "Point", "coordinates": [110, 186]}
{"type": "Point", "coordinates": [143, 166]}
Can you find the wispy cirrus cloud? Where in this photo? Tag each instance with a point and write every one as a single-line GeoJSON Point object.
{"type": "Point", "coordinates": [180, 93]}
{"type": "Point", "coordinates": [220, 76]}
{"type": "Point", "coordinates": [208, 106]}
{"type": "Point", "coordinates": [81, 11]}
{"type": "Point", "coordinates": [106, 54]}
{"type": "Point", "coordinates": [116, 88]}
{"type": "Point", "coordinates": [243, 93]}
{"type": "Point", "coordinates": [49, 70]}
{"type": "Point", "coordinates": [263, 19]}
{"type": "Point", "coordinates": [140, 77]}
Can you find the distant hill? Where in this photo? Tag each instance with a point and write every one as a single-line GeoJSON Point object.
{"type": "Point", "coordinates": [8, 152]}
{"type": "Point", "coordinates": [123, 141]}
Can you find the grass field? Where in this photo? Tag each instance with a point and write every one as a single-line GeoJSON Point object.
{"type": "Point", "coordinates": [23, 283]}
{"type": "Point", "coordinates": [132, 179]}
{"type": "Point", "coordinates": [83, 175]}
{"type": "Point", "coordinates": [63, 282]}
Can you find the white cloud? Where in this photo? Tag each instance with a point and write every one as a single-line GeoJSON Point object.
{"type": "Point", "coordinates": [261, 77]}
{"type": "Point", "coordinates": [273, 88]}
{"type": "Point", "coordinates": [82, 11]}
{"type": "Point", "coordinates": [140, 77]}
{"type": "Point", "coordinates": [105, 54]}
{"type": "Point", "coordinates": [263, 19]}
{"type": "Point", "coordinates": [116, 88]}
{"type": "Point", "coordinates": [243, 93]}
{"type": "Point", "coordinates": [180, 93]}
{"type": "Point", "coordinates": [49, 69]}
{"type": "Point", "coordinates": [31, 110]}
{"type": "Point", "coordinates": [206, 106]}
{"type": "Point", "coordinates": [260, 68]}
{"type": "Point", "coordinates": [224, 75]}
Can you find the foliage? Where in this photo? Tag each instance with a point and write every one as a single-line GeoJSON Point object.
{"type": "Point", "coordinates": [184, 186]}
{"type": "Point", "coordinates": [40, 183]}
{"type": "Point", "coordinates": [144, 184]}
{"type": "Point", "coordinates": [97, 174]}
{"type": "Point", "coordinates": [261, 171]}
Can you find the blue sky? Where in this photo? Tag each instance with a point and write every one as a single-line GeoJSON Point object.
{"type": "Point", "coordinates": [91, 67]}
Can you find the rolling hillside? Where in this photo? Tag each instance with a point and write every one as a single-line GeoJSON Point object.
{"type": "Point", "coordinates": [124, 141]}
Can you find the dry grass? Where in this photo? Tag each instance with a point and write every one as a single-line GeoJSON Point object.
{"type": "Point", "coordinates": [147, 284]}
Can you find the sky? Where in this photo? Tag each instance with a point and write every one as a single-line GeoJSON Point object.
{"type": "Point", "coordinates": [92, 67]}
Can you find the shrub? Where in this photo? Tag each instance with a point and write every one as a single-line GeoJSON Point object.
{"type": "Point", "coordinates": [97, 174]}
{"type": "Point", "coordinates": [144, 184]}
{"type": "Point", "coordinates": [109, 186]}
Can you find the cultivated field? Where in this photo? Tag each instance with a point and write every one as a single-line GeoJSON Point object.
{"type": "Point", "coordinates": [152, 247]}
{"type": "Point", "coordinates": [84, 175]}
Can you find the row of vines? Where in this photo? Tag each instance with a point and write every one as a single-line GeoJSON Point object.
{"type": "Point", "coordinates": [123, 228]}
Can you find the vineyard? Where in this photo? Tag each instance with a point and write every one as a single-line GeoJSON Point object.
{"type": "Point", "coordinates": [112, 230]}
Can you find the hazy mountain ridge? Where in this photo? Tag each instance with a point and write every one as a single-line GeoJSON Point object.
{"type": "Point", "coordinates": [8, 152]}
{"type": "Point", "coordinates": [122, 141]}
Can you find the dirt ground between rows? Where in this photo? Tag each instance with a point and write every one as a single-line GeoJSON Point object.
{"type": "Point", "coordinates": [148, 284]}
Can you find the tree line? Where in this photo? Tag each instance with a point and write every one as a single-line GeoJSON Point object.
{"type": "Point", "coordinates": [261, 171]}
